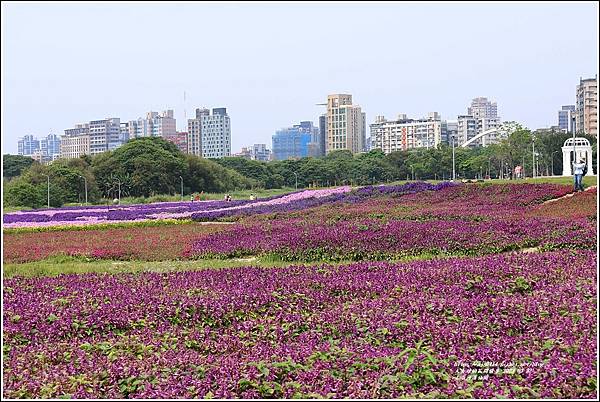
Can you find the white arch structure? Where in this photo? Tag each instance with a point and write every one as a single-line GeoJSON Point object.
{"type": "Point", "coordinates": [504, 129]}
{"type": "Point", "coordinates": [583, 150]}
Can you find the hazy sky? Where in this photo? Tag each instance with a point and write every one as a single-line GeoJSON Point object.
{"type": "Point", "coordinates": [269, 64]}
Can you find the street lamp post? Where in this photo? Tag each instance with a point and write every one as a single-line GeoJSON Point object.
{"type": "Point", "coordinates": [533, 156]}
{"type": "Point", "coordinates": [48, 177]}
{"type": "Point", "coordinates": [453, 161]}
{"type": "Point", "coordinates": [573, 167]}
{"type": "Point", "coordinates": [119, 184]}
{"type": "Point", "coordinates": [181, 178]}
{"type": "Point", "coordinates": [296, 174]}
{"type": "Point", "coordinates": [85, 186]}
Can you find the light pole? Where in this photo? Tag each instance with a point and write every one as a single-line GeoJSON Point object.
{"type": "Point", "coordinates": [573, 167]}
{"type": "Point", "coordinates": [48, 177]}
{"type": "Point", "coordinates": [181, 178]}
{"type": "Point", "coordinates": [119, 183]}
{"type": "Point", "coordinates": [296, 174]}
{"type": "Point", "coordinates": [453, 161]}
{"type": "Point", "coordinates": [533, 157]}
{"type": "Point", "coordinates": [85, 186]}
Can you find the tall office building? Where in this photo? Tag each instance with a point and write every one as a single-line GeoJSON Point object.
{"type": "Point", "coordinates": [482, 107]}
{"type": "Point", "coordinates": [194, 145]}
{"type": "Point", "coordinates": [294, 142]}
{"type": "Point", "coordinates": [403, 133]}
{"type": "Point", "coordinates": [565, 118]}
{"type": "Point", "coordinates": [28, 145]}
{"type": "Point", "coordinates": [345, 124]}
{"type": "Point", "coordinates": [153, 125]}
{"type": "Point", "coordinates": [586, 113]}
{"type": "Point", "coordinates": [215, 134]}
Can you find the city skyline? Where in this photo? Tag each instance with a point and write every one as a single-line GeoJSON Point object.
{"type": "Point", "coordinates": [45, 91]}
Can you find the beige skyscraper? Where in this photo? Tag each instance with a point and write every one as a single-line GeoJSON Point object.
{"type": "Point", "coordinates": [586, 108]}
{"type": "Point", "coordinates": [345, 124]}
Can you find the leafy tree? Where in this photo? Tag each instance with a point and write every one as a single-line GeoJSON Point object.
{"type": "Point", "coordinates": [21, 193]}
{"type": "Point", "coordinates": [152, 164]}
{"type": "Point", "coordinates": [14, 165]}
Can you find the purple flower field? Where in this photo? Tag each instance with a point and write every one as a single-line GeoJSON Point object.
{"type": "Point", "coordinates": [366, 330]}
{"type": "Point", "coordinates": [163, 210]}
{"type": "Point", "coordinates": [499, 300]}
{"type": "Point", "coordinates": [202, 210]}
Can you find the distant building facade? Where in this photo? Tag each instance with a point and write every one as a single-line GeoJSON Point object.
{"type": "Point", "coordinates": [179, 139]}
{"type": "Point", "coordinates": [586, 112]}
{"type": "Point", "coordinates": [403, 133]}
{"type": "Point", "coordinates": [260, 152]}
{"type": "Point", "coordinates": [42, 150]}
{"type": "Point", "coordinates": [28, 145]}
{"type": "Point", "coordinates": [105, 135]}
{"type": "Point", "coordinates": [215, 134]}
{"type": "Point", "coordinates": [194, 145]}
{"type": "Point", "coordinates": [482, 107]}
{"type": "Point", "coordinates": [566, 117]}
{"type": "Point", "coordinates": [76, 141]}
{"type": "Point", "coordinates": [345, 125]}
{"type": "Point", "coordinates": [153, 125]}
{"type": "Point", "coordinates": [294, 142]}
{"type": "Point", "coordinates": [482, 115]}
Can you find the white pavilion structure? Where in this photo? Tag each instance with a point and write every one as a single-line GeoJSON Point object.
{"type": "Point", "coordinates": [583, 151]}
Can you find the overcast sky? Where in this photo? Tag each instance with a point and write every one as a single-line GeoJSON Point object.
{"type": "Point", "coordinates": [270, 64]}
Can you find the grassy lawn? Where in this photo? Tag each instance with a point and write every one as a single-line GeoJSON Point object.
{"type": "Point", "coordinates": [58, 265]}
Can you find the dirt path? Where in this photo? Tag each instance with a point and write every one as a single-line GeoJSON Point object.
{"type": "Point", "coordinates": [590, 188]}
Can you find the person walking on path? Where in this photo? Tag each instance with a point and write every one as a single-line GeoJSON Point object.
{"type": "Point", "coordinates": [578, 169]}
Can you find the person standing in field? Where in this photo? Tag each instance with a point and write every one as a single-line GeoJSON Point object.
{"type": "Point", "coordinates": [578, 169]}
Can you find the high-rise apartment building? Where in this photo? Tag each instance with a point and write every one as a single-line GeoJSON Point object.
{"type": "Point", "coordinates": [124, 132]}
{"type": "Point", "coordinates": [153, 125]}
{"type": "Point", "coordinates": [105, 135]}
{"type": "Point", "coordinates": [194, 145]}
{"type": "Point", "coordinates": [403, 134]}
{"type": "Point", "coordinates": [481, 116]}
{"type": "Point", "coordinates": [28, 145]}
{"type": "Point", "coordinates": [345, 124]}
{"type": "Point", "coordinates": [586, 112]}
{"type": "Point", "coordinates": [482, 107]}
{"type": "Point", "coordinates": [470, 126]}
{"type": "Point", "coordinates": [215, 134]}
{"type": "Point", "coordinates": [45, 150]}
{"type": "Point", "coordinates": [294, 142]}
{"type": "Point", "coordinates": [76, 141]}
{"type": "Point", "coordinates": [50, 147]}
{"type": "Point", "coordinates": [320, 146]}
{"type": "Point", "coordinates": [565, 118]}
{"type": "Point", "coordinates": [451, 132]}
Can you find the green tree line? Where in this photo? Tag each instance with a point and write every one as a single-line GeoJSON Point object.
{"type": "Point", "coordinates": [146, 167]}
